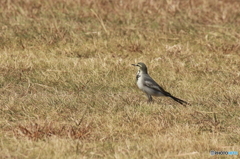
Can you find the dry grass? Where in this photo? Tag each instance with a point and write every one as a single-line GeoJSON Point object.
{"type": "Point", "coordinates": [68, 89]}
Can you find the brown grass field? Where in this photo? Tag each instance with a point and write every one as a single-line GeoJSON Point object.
{"type": "Point", "coordinates": [68, 87]}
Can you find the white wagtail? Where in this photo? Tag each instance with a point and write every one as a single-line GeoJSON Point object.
{"type": "Point", "coordinates": [150, 87]}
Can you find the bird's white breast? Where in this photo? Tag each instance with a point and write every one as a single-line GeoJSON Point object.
{"type": "Point", "coordinates": [140, 80]}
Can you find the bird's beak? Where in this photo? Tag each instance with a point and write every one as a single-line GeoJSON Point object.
{"type": "Point", "coordinates": [134, 64]}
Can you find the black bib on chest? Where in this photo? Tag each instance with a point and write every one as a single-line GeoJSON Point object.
{"type": "Point", "coordinates": [137, 77]}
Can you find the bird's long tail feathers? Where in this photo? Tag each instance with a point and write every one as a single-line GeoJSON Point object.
{"type": "Point", "coordinates": [184, 103]}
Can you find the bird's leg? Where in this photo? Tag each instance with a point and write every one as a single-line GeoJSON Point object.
{"type": "Point", "coordinates": [149, 98]}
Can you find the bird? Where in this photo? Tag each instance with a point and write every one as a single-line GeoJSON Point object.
{"type": "Point", "coordinates": [150, 87]}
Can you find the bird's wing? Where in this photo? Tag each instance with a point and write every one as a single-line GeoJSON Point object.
{"type": "Point", "coordinates": [149, 82]}
{"type": "Point", "coordinates": [152, 84]}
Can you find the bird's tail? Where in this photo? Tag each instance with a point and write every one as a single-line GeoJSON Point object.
{"type": "Point", "coordinates": [184, 103]}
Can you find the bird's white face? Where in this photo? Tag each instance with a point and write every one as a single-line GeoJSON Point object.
{"type": "Point", "coordinates": [135, 65]}
{"type": "Point", "coordinates": [141, 66]}
{"type": "Point", "coordinates": [138, 65]}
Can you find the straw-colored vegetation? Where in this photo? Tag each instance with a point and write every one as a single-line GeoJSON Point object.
{"type": "Point", "coordinates": [68, 88]}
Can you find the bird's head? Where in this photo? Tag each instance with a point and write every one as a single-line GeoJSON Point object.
{"type": "Point", "coordinates": [142, 67]}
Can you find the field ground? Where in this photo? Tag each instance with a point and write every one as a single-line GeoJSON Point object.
{"type": "Point", "coordinates": [68, 88]}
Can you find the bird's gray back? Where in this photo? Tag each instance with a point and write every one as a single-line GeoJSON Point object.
{"type": "Point", "coordinates": [149, 82]}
